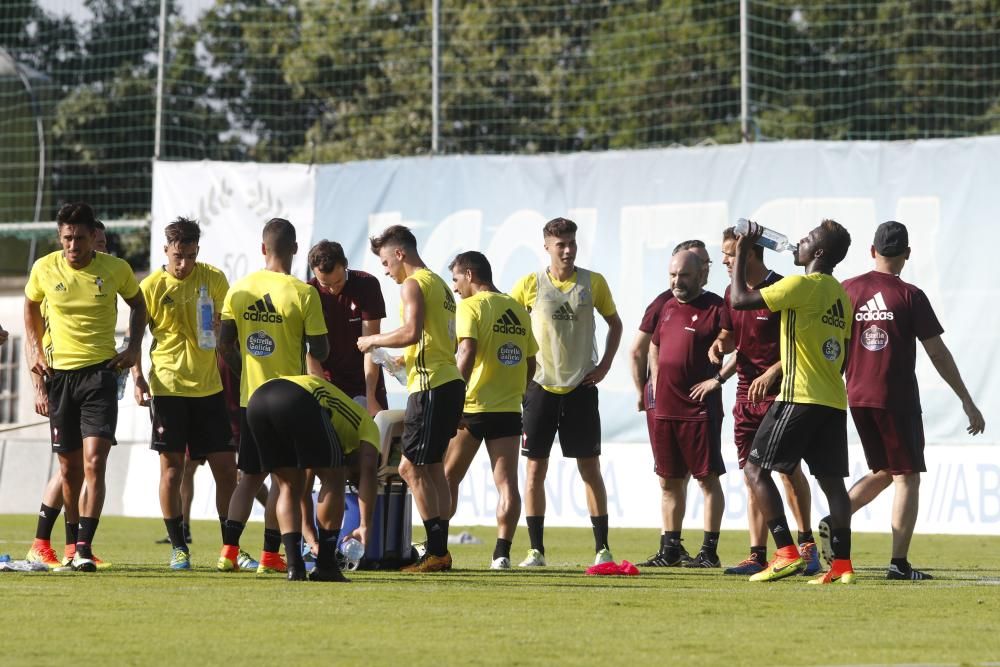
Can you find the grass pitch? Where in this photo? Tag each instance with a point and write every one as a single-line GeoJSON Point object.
{"type": "Point", "coordinates": [141, 613]}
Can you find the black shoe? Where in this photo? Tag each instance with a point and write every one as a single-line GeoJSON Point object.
{"type": "Point", "coordinates": [704, 560]}
{"type": "Point", "coordinates": [296, 573]}
{"type": "Point", "coordinates": [328, 574]}
{"type": "Point", "coordinates": [899, 575]}
{"type": "Point", "coordinates": [670, 558]}
{"type": "Point", "coordinates": [165, 540]}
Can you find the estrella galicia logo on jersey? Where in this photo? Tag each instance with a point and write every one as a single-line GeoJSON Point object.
{"type": "Point", "coordinates": [509, 324]}
{"type": "Point", "coordinates": [875, 309]}
{"type": "Point", "coordinates": [831, 349]}
{"type": "Point", "coordinates": [509, 354]}
{"type": "Point", "coordinates": [874, 338]}
{"type": "Point", "coordinates": [263, 310]}
{"type": "Point", "coordinates": [259, 344]}
{"type": "Point", "coordinates": [834, 315]}
{"type": "Point", "coordinates": [564, 312]}
{"type": "Point", "coordinates": [60, 288]}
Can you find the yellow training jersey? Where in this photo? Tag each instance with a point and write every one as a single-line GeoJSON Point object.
{"type": "Point", "coordinates": [273, 312]}
{"type": "Point", "coordinates": [430, 362]}
{"type": "Point", "coordinates": [501, 328]}
{"type": "Point", "coordinates": [81, 309]}
{"type": "Point", "coordinates": [816, 319]}
{"type": "Point", "coordinates": [351, 423]}
{"type": "Point", "coordinates": [178, 367]}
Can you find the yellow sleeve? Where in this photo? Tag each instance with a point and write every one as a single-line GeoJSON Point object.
{"type": "Point", "coordinates": [789, 292]}
{"type": "Point", "coordinates": [218, 288]}
{"type": "Point", "coordinates": [526, 290]}
{"type": "Point", "coordinates": [146, 287]}
{"type": "Point", "coordinates": [128, 285]}
{"type": "Point", "coordinates": [33, 289]}
{"type": "Point", "coordinates": [465, 320]}
{"type": "Point", "coordinates": [603, 302]}
{"type": "Point", "coordinates": [312, 312]}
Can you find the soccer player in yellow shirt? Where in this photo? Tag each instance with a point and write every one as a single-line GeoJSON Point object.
{"type": "Point", "coordinates": [437, 391]}
{"type": "Point", "coordinates": [496, 356]}
{"type": "Point", "coordinates": [79, 364]}
{"type": "Point", "coordinates": [184, 390]}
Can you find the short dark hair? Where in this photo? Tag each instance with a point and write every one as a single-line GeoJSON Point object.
{"type": "Point", "coordinates": [688, 245]}
{"type": "Point", "coordinates": [729, 234]}
{"type": "Point", "coordinates": [279, 236]}
{"type": "Point", "coordinates": [558, 227]}
{"type": "Point", "coordinates": [474, 261]}
{"type": "Point", "coordinates": [836, 241]}
{"type": "Point", "coordinates": [396, 235]}
{"type": "Point", "coordinates": [76, 213]}
{"type": "Point", "coordinates": [182, 231]}
{"type": "Point", "coordinates": [99, 225]}
{"type": "Point", "coordinates": [326, 256]}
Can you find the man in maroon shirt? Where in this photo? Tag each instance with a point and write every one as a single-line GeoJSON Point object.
{"type": "Point", "coordinates": [688, 411]}
{"type": "Point", "coordinates": [889, 317]}
{"type": "Point", "coordinates": [757, 364]}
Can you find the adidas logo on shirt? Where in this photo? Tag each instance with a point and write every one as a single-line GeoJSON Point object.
{"type": "Point", "coordinates": [60, 288]}
{"type": "Point", "coordinates": [167, 301]}
{"type": "Point", "coordinates": [875, 309]}
{"type": "Point", "coordinates": [509, 324]}
{"type": "Point", "coordinates": [835, 315]}
{"type": "Point", "coordinates": [564, 312]}
{"type": "Point", "coordinates": [263, 310]}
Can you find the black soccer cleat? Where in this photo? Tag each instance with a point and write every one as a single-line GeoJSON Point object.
{"type": "Point", "coordinates": [897, 574]}
{"type": "Point", "coordinates": [704, 560]}
{"type": "Point", "coordinates": [670, 558]}
{"type": "Point", "coordinates": [328, 574]}
{"type": "Point", "coordinates": [296, 573]}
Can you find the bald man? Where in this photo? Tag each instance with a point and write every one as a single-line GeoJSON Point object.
{"type": "Point", "coordinates": [687, 413]}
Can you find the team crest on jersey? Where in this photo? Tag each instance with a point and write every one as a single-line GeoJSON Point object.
{"type": "Point", "coordinates": [874, 338]}
{"type": "Point", "coordinates": [831, 349]}
{"type": "Point", "coordinates": [259, 344]}
{"type": "Point", "coordinates": [100, 287]}
{"type": "Point", "coordinates": [509, 354]}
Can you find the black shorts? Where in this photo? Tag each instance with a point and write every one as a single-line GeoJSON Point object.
{"type": "Point", "coordinates": [793, 432]}
{"type": "Point", "coordinates": [574, 416]}
{"type": "Point", "coordinates": [83, 403]}
{"type": "Point", "coordinates": [430, 422]}
{"type": "Point", "coordinates": [492, 425]}
{"type": "Point", "coordinates": [290, 429]}
{"type": "Point", "coordinates": [197, 424]}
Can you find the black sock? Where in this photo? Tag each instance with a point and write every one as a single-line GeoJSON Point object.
{"type": "Point", "coordinates": [437, 540]}
{"type": "Point", "coordinates": [187, 531]}
{"type": "Point", "coordinates": [780, 531]}
{"type": "Point", "coordinates": [88, 526]}
{"type": "Point", "coordinates": [329, 540]}
{"type": "Point", "coordinates": [502, 549]}
{"type": "Point", "coordinates": [600, 524]}
{"type": "Point", "coordinates": [841, 538]}
{"type": "Point", "coordinates": [902, 564]}
{"type": "Point", "coordinates": [293, 550]}
{"type": "Point", "coordinates": [232, 532]}
{"type": "Point", "coordinates": [536, 532]}
{"type": "Point", "coordinates": [670, 542]}
{"type": "Point", "coordinates": [72, 532]}
{"type": "Point", "coordinates": [444, 523]}
{"type": "Point", "coordinates": [709, 543]}
{"type": "Point", "coordinates": [175, 531]}
{"type": "Point", "coordinates": [272, 540]}
{"type": "Point", "coordinates": [760, 553]}
{"type": "Point", "coordinates": [46, 520]}
{"type": "Point", "coordinates": [806, 536]}
{"type": "Point", "coordinates": [222, 527]}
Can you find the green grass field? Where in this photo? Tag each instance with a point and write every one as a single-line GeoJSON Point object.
{"type": "Point", "coordinates": [141, 613]}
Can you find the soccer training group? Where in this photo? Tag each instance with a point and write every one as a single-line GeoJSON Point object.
{"type": "Point", "coordinates": [275, 377]}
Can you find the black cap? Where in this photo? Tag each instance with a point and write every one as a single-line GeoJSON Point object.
{"type": "Point", "coordinates": [891, 239]}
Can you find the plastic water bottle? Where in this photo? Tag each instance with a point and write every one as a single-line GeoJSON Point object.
{"type": "Point", "coordinates": [382, 357]}
{"type": "Point", "coordinates": [352, 551]}
{"type": "Point", "coordinates": [121, 374]}
{"type": "Point", "coordinates": [770, 239]}
{"type": "Point", "coordinates": [206, 320]}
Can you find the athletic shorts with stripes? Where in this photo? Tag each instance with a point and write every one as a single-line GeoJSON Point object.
{"type": "Point", "coordinates": [893, 439]}
{"type": "Point", "coordinates": [794, 432]}
{"type": "Point", "coordinates": [290, 429]}
{"type": "Point", "coordinates": [747, 418]}
{"type": "Point", "coordinates": [430, 421]}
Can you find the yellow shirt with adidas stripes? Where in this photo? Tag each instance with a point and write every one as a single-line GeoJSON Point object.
{"type": "Point", "coordinates": [526, 291]}
{"type": "Point", "coordinates": [351, 422]}
{"type": "Point", "coordinates": [178, 366]}
{"type": "Point", "coordinates": [273, 312]}
{"type": "Point", "coordinates": [501, 328]}
{"type": "Point", "coordinates": [430, 362]}
{"type": "Point", "coordinates": [81, 308]}
{"type": "Point", "coordinates": [816, 317]}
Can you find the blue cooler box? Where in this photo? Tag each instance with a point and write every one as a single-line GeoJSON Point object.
{"type": "Point", "coordinates": [392, 522]}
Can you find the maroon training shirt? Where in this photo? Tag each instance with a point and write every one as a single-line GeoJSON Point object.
{"type": "Point", "coordinates": [889, 317]}
{"type": "Point", "coordinates": [652, 315]}
{"type": "Point", "coordinates": [361, 299]}
{"type": "Point", "coordinates": [758, 341]}
{"type": "Point", "coordinates": [683, 335]}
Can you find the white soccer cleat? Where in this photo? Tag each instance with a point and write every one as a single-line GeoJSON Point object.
{"type": "Point", "coordinates": [535, 558]}
{"type": "Point", "coordinates": [502, 563]}
{"type": "Point", "coordinates": [604, 556]}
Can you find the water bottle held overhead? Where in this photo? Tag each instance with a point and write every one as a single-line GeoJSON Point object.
{"type": "Point", "coordinates": [770, 239]}
{"type": "Point", "coordinates": [206, 320]}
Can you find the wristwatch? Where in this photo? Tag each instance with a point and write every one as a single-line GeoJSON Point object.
{"type": "Point", "coordinates": [718, 378]}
